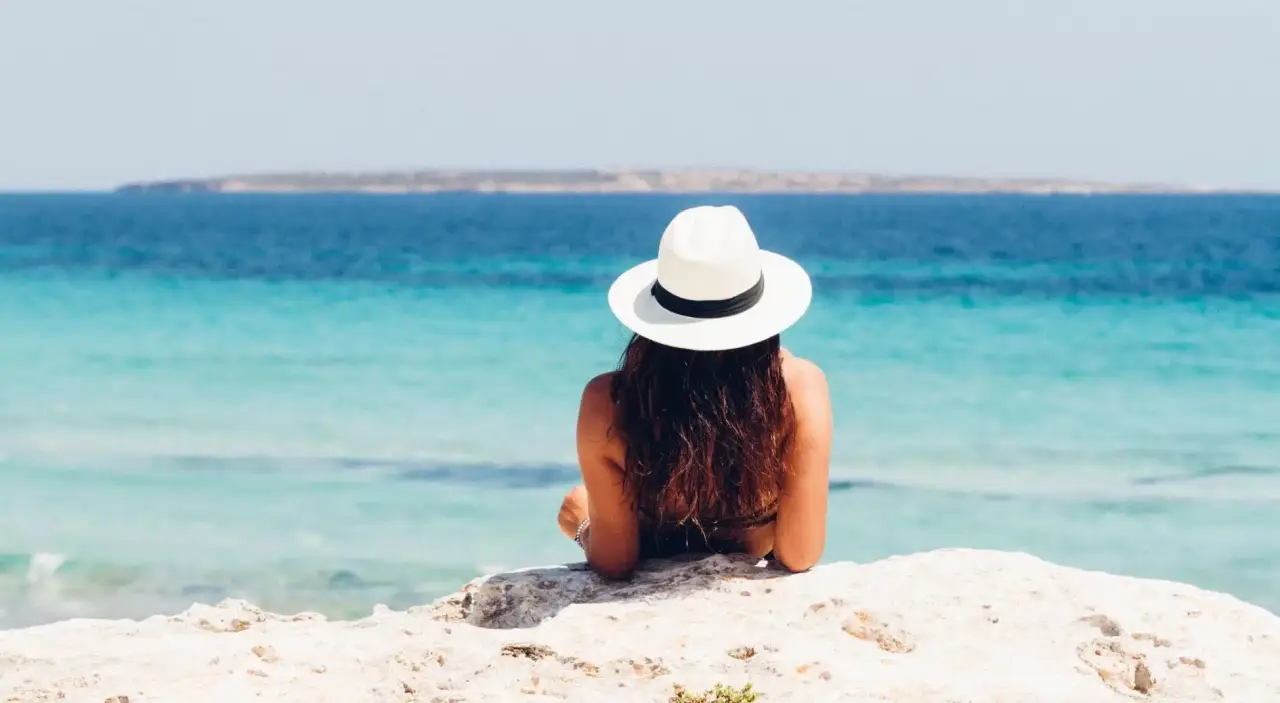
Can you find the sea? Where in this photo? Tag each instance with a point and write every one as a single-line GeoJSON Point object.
{"type": "Point", "coordinates": [327, 402]}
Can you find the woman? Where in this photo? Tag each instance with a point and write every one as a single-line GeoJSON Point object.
{"type": "Point", "coordinates": [710, 436]}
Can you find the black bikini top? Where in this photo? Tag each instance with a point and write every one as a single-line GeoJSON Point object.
{"type": "Point", "coordinates": [747, 522]}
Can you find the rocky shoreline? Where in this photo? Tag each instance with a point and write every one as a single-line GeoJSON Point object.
{"type": "Point", "coordinates": [952, 625]}
{"type": "Point", "coordinates": [632, 181]}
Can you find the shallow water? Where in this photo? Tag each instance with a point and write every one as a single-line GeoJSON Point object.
{"type": "Point", "coordinates": [326, 402]}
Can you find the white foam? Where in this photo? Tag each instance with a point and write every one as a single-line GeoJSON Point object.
{"type": "Point", "coordinates": [42, 566]}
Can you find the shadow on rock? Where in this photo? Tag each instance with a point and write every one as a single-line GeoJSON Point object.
{"type": "Point", "coordinates": [525, 598]}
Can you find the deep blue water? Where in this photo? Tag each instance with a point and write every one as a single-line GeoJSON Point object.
{"type": "Point", "coordinates": [324, 402]}
{"type": "Point", "coordinates": [1063, 246]}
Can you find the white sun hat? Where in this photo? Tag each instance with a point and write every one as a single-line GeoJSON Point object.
{"type": "Point", "coordinates": [711, 287]}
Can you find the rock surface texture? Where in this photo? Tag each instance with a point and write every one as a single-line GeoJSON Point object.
{"type": "Point", "coordinates": [954, 626]}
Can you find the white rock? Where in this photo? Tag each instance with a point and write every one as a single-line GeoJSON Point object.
{"type": "Point", "coordinates": [948, 626]}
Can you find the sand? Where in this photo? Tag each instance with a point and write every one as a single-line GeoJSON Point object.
{"type": "Point", "coordinates": [956, 626]}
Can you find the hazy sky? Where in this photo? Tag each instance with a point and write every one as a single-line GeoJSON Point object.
{"type": "Point", "coordinates": [94, 92]}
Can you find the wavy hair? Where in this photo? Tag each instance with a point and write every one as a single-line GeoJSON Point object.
{"type": "Point", "coordinates": [706, 432]}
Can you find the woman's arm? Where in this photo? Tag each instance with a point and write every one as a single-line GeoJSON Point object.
{"type": "Point", "coordinates": [612, 541]}
{"type": "Point", "coordinates": [801, 530]}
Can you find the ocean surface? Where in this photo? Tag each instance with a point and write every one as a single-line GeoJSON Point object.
{"type": "Point", "coordinates": [328, 402]}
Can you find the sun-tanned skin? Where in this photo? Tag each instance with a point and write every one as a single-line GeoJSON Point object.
{"type": "Point", "coordinates": [796, 537]}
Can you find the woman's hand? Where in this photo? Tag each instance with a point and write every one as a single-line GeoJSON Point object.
{"type": "Point", "coordinates": [573, 510]}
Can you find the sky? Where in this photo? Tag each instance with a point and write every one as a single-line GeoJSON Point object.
{"type": "Point", "coordinates": [98, 92]}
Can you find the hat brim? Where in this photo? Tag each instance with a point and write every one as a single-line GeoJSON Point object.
{"type": "Point", "coordinates": [787, 293]}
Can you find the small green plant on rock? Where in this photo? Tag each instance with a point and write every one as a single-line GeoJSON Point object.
{"type": "Point", "coordinates": [718, 694]}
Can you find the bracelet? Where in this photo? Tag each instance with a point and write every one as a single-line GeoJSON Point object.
{"type": "Point", "coordinates": [582, 530]}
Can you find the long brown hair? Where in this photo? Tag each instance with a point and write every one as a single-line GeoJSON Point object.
{"type": "Point", "coordinates": [706, 432]}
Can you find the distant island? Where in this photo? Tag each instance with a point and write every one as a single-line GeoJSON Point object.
{"type": "Point", "coordinates": [631, 181]}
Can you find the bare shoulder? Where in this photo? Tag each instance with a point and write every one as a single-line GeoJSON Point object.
{"type": "Point", "coordinates": [595, 414]}
{"type": "Point", "coordinates": [599, 391]}
{"type": "Point", "coordinates": [806, 382]}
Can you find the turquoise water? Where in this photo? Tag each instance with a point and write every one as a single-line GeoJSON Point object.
{"type": "Point", "coordinates": [327, 403]}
